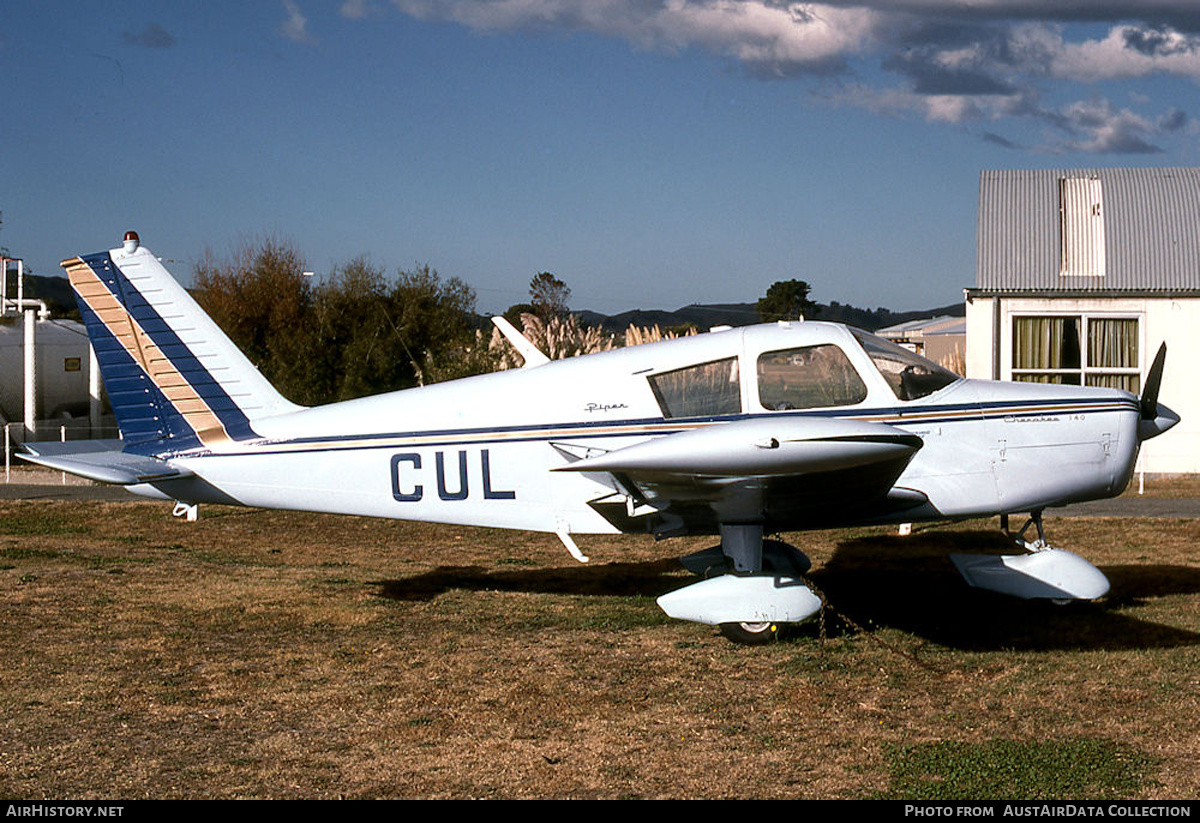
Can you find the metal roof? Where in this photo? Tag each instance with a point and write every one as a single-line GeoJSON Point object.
{"type": "Point", "coordinates": [1151, 231]}
{"type": "Point", "coordinates": [927, 327]}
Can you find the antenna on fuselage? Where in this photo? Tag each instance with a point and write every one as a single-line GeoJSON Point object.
{"type": "Point", "coordinates": [524, 346]}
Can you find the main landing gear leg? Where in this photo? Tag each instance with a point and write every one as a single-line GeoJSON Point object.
{"type": "Point", "coordinates": [743, 545]}
{"type": "Point", "coordinates": [757, 586]}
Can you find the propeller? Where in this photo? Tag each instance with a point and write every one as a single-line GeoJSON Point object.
{"type": "Point", "coordinates": [1149, 399]}
{"type": "Point", "coordinates": [1156, 419]}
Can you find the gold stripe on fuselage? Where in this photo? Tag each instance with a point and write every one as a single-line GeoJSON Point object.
{"type": "Point", "coordinates": [566, 433]}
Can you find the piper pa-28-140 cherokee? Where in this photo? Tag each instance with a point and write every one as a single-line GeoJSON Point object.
{"type": "Point", "coordinates": [738, 432]}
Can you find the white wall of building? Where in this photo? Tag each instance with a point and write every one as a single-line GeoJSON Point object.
{"type": "Point", "coordinates": [1175, 321]}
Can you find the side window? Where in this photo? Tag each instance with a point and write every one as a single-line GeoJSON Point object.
{"type": "Point", "coordinates": [699, 391]}
{"type": "Point", "coordinates": [808, 378]}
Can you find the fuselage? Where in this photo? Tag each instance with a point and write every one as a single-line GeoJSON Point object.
{"type": "Point", "coordinates": [485, 450]}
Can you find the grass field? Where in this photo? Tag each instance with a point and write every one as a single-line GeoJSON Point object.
{"type": "Point", "coordinates": [273, 654]}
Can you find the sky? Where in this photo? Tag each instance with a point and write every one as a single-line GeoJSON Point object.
{"type": "Point", "coordinates": [650, 153]}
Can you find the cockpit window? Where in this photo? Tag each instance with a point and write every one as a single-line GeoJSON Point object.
{"type": "Point", "coordinates": [699, 391]}
{"type": "Point", "coordinates": [808, 378]}
{"type": "Point", "coordinates": [910, 375]}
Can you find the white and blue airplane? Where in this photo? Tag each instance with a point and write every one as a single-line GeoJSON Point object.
{"type": "Point", "coordinates": [739, 433]}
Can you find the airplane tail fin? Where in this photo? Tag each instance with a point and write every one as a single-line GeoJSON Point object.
{"type": "Point", "coordinates": [171, 374]}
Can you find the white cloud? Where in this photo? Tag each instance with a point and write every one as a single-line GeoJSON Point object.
{"type": "Point", "coordinates": [355, 9]}
{"type": "Point", "coordinates": [1103, 129]}
{"type": "Point", "coordinates": [757, 32]}
{"type": "Point", "coordinates": [295, 27]}
{"type": "Point", "coordinates": [942, 60]}
{"type": "Point", "coordinates": [767, 34]}
{"type": "Point", "coordinates": [1130, 51]}
{"type": "Point", "coordinates": [955, 109]}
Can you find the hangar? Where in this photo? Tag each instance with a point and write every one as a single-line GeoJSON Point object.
{"type": "Point", "coordinates": [1080, 275]}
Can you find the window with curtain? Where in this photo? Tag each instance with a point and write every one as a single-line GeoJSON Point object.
{"type": "Point", "coordinates": [1079, 350]}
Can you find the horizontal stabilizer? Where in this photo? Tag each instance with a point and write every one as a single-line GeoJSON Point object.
{"type": "Point", "coordinates": [102, 461]}
{"type": "Point", "coordinates": [1053, 574]}
{"type": "Point", "coordinates": [759, 447]}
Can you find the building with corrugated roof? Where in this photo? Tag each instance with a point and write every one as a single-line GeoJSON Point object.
{"type": "Point", "coordinates": [1080, 275]}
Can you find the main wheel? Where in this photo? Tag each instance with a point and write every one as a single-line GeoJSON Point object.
{"type": "Point", "coordinates": [750, 634]}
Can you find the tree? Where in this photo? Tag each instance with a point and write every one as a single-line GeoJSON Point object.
{"type": "Point", "coordinates": [358, 333]}
{"type": "Point", "coordinates": [373, 334]}
{"type": "Point", "coordinates": [434, 324]}
{"type": "Point", "coordinates": [262, 300]}
{"type": "Point", "coordinates": [786, 300]}
{"type": "Point", "coordinates": [351, 321]}
{"type": "Point", "coordinates": [548, 295]}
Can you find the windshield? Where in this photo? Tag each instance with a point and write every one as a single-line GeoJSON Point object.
{"type": "Point", "coordinates": [910, 375]}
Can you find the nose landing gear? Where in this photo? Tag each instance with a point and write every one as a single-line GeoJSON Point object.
{"type": "Point", "coordinates": [1041, 573]}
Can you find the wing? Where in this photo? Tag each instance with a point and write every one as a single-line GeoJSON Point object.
{"type": "Point", "coordinates": [787, 472]}
{"type": "Point", "coordinates": [101, 460]}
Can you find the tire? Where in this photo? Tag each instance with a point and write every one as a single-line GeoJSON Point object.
{"type": "Point", "coordinates": [750, 634]}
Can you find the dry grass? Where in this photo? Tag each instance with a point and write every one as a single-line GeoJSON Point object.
{"type": "Point", "coordinates": [271, 654]}
{"type": "Point", "coordinates": [1168, 485]}
{"type": "Point", "coordinates": [562, 337]}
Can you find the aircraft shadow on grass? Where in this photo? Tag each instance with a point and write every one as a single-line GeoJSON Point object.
{"type": "Point", "coordinates": [886, 581]}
